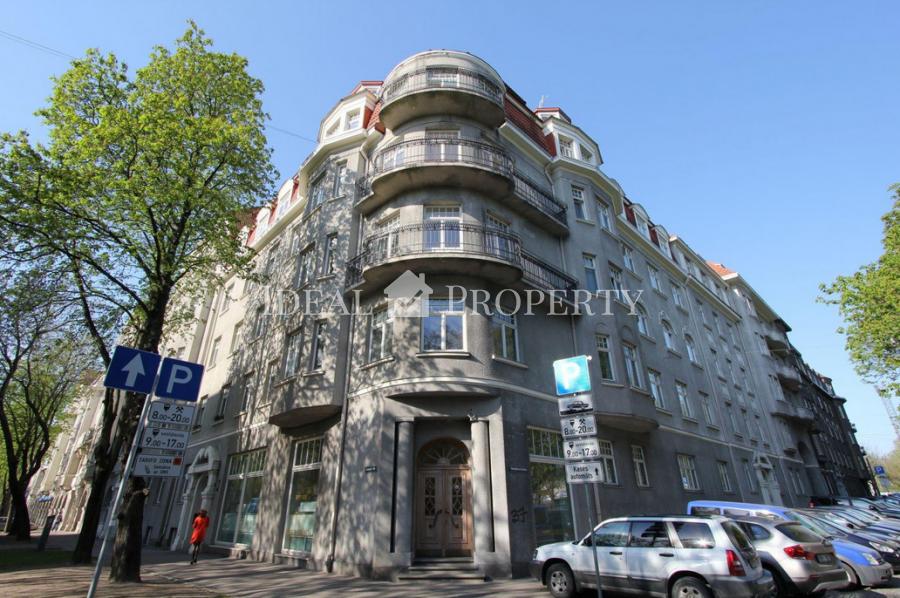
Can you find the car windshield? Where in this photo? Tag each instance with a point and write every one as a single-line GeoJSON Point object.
{"type": "Point", "coordinates": [832, 527]}
{"type": "Point", "coordinates": [854, 517]}
{"type": "Point", "coordinates": [798, 533]}
{"type": "Point", "coordinates": [807, 522]}
{"type": "Point", "coordinates": [867, 515]}
{"type": "Point", "coordinates": [739, 539]}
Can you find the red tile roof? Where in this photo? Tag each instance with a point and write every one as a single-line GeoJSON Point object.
{"type": "Point", "coordinates": [529, 125]}
{"type": "Point", "coordinates": [720, 269]}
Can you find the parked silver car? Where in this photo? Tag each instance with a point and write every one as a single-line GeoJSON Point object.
{"type": "Point", "coordinates": [801, 561]}
{"type": "Point", "coordinates": [671, 556]}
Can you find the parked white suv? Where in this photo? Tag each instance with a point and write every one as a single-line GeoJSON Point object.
{"type": "Point", "coordinates": [672, 556]}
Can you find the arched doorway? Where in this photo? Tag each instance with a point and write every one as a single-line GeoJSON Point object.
{"type": "Point", "coordinates": [443, 500]}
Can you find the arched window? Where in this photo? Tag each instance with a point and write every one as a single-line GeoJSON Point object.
{"type": "Point", "coordinates": [668, 335]}
{"type": "Point", "coordinates": [691, 348]}
{"type": "Point", "coordinates": [642, 325]}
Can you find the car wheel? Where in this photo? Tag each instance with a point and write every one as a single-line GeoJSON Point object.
{"type": "Point", "coordinates": [689, 587]}
{"type": "Point", "coordinates": [854, 578]}
{"type": "Point", "coordinates": [560, 581]}
{"type": "Point", "coordinates": [781, 587]}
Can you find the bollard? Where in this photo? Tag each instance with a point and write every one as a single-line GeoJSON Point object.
{"type": "Point", "coordinates": [42, 543]}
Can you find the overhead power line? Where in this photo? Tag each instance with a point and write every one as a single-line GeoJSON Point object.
{"type": "Point", "coordinates": [60, 54]}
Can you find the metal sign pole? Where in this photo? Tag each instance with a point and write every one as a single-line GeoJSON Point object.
{"type": "Point", "coordinates": [592, 520]}
{"type": "Point", "coordinates": [129, 464]}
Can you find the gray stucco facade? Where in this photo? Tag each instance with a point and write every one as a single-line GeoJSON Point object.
{"type": "Point", "coordinates": [364, 443]}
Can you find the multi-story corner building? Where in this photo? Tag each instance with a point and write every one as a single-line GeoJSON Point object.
{"type": "Point", "coordinates": [367, 441]}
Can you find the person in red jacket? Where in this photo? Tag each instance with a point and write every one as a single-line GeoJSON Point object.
{"type": "Point", "coordinates": [201, 523]}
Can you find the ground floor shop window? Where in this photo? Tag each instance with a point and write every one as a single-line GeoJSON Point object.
{"type": "Point", "coordinates": [240, 505]}
{"type": "Point", "coordinates": [300, 524]}
{"type": "Point", "coordinates": [550, 499]}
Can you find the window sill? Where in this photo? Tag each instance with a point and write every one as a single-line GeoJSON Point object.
{"type": "Point", "coordinates": [284, 381]}
{"type": "Point", "coordinates": [683, 310]}
{"type": "Point", "coordinates": [609, 232]}
{"type": "Point", "coordinates": [647, 338]}
{"type": "Point", "coordinates": [377, 362]}
{"type": "Point", "coordinates": [696, 365]}
{"type": "Point", "coordinates": [674, 352]}
{"type": "Point", "coordinates": [512, 362]}
{"type": "Point", "coordinates": [722, 378]}
{"type": "Point", "coordinates": [611, 384]}
{"type": "Point", "coordinates": [690, 419]}
{"type": "Point", "coordinates": [641, 391]}
{"type": "Point", "coordinates": [661, 294]}
{"type": "Point", "coordinates": [195, 428]}
{"type": "Point", "coordinates": [218, 420]}
{"type": "Point", "coordinates": [713, 427]}
{"type": "Point", "coordinates": [312, 373]}
{"type": "Point", "coordinates": [664, 411]}
{"type": "Point", "coordinates": [585, 221]}
{"type": "Point", "coordinates": [325, 277]}
{"type": "Point", "coordinates": [634, 274]}
{"type": "Point", "coordinates": [448, 354]}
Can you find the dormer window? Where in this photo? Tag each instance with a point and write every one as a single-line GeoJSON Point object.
{"type": "Point", "coordinates": [566, 147]}
{"type": "Point", "coordinates": [586, 154]}
{"type": "Point", "coordinates": [332, 128]}
{"type": "Point", "coordinates": [352, 120]}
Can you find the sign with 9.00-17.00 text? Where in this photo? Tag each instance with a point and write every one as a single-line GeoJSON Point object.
{"type": "Point", "coordinates": [581, 448]}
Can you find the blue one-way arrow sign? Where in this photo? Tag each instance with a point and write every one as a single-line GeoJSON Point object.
{"type": "Point", "coordinates": [131, 369]}
{"type": "Point", "coordinates": [179, 380]}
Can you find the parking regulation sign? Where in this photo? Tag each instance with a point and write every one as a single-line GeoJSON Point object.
{"type": "Point", "coordinates": [179, 380]}
{"type": "Point", "coordinates": [158, 466]}
{"type": "Point", "coordinates": [579, 425]}
{"type": "Point", "coordinates": [572, 375]}
{"type": "Point", "coordinates": [164, 438]}
{"type": "Point", "coordinates": [575, 404]}
{"type": "Point", "coordinates": [169, 414]}
{"type": "Point", "coordinates": [581, 448]}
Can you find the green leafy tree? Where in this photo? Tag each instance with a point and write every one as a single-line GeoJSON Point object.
{"type": "Point", "coordinates": [141, 190]}
{"type": "Point", "coordinates": [869, 303]}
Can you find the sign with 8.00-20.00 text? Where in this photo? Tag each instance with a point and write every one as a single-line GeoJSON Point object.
{"type": "Point", "coordinates": [170, 414]}
{"type": "Point", "coordinates": [578, 425]}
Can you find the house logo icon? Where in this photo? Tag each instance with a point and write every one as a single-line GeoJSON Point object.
{"type": "Point", "coordinates": [408, 296]}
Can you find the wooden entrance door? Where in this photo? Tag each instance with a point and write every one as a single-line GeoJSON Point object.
{"type": "Point", "coordinates": [444, 503]}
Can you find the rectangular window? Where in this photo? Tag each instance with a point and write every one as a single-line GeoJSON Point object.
{"type": "Point", "coordinates": [247, 393]}
{"type": "Point", "coordinates": [615, 280]}
{"type": "Point", "coordinates": [654, 278]}
{"type": "Point", "coordinates": [733, 419]}
{"type": "Point", "coordinates": [708, 413]}
{"type": "Point", "coordinates": [201, 407]}
{"type": "Point", "coordinates": [317, 192]}
{"type": "Point", "coordinates": [632, 365]}
{"type": "Point", "coordinates": [586, 154]}
{"type": "Point", "coordinates": [259, 321]}
{"type": "Point", "coordinates": [677, 294]}
{"type": "Point", "coordinates": [628, 257]}
{"type": "Point", "coordinates": [337, 183]}
{"type": "Point", "coordinates": [305, 265]}
{"type": "Point", "coordinates": [641, 478]}
{"type": "Point", "coordinates": [380, 334]}
{"type": "Point", "coordinates": [724, 478]}
{"type": "Point", "coordinates": [223, 401]}
{"type": "Point", "coordinates": [328, 261]}
{"type": "Point", "coordinates": [590, 272]}
{"type": "Point", "coordinates": [442, 227]}
{"type": "Point", "coordinates": [506, 335]}
{"type": "Point", "coordinates": [317, 351]}
{"type": "Point", "coordinates": [748, 472]}
{"type": "Point", "coordinates": [226, 297]}
{"type": "Point", "coordinates": [240, 505]}
{"type": "Point", "coordinates": [578, 202]}
{"type": "Point", "coordinates": [292, 354]}
{"type": "Point", "coordinates": [687, 468]}
{"type": "Point", "coordinates": [271, 381]}
{"type": "Point", "coordinates": [300, 524]}
{"type": "Point", "coordinates": [352, 121]}
{"type": "Point", "coordinates": [214, 352]}
{"type": "Point", "coordinates": [444, 327]}
{"type": "Point", "coordinates": [236, 337]}
{"type": "Point", "coordinates": [550, 500]}
{"type": "Point", "coordinates": [702, 311]}
{"type": "Point", "coordinates": [656, 389]}
{"type": "Point", "coordinates": [565, 147]}
{"type": "Point", "coordinates": [603, 215]}
{"type": "Point", "coordinates": [683, 400]}
{"type": "Point", "coordinates": [608, 463]}
{"type": "Point", "coordinates": [604, 358]}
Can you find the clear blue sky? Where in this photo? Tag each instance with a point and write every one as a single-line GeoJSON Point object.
{"type": "Point", "coordinates": [764, 133]}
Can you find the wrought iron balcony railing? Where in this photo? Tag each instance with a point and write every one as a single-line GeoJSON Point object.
{"type": "Point", "coordinates": [440, 151]}
{"type": "Point", "coordinates": [441, 238]}
{"type": "Point", "coordinates": [531, 193]}
{"type": "Point", "coordinates": [433, 78]}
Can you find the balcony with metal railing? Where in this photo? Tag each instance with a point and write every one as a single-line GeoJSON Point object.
{"type": "Point", "coordinates": [788, 376]}
{"type": "Point", "coordinates": [442, 90]}
{"type": "Point", "coordinates": [454, 248]}
{"type": "Point", "coordinates": [789, 411]}
{"type": "Point", "coordinates": [537, 204]}
{"type": "Point", "coordinates": [436, 162]}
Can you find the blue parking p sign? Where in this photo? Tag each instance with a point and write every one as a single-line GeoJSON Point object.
{"type": "Point", "coordinates": [879, 470]}
{"type": "Point", "coordinates": [179, 380]}
{"type": "Point", "coordinates": [132, 369]}
{"type": "Point", "coordinates": [572, 375]}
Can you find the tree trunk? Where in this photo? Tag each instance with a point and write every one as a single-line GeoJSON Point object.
{"type": "Point", "coordinates": [21, 524]}
{"type": "Point", "coordinates": [87, 537]}
{"type": "Point", "coordinates": [126, 560]}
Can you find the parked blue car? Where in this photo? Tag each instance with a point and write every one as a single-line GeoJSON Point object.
{"type": "Point", "coordinates": [866, 566]}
